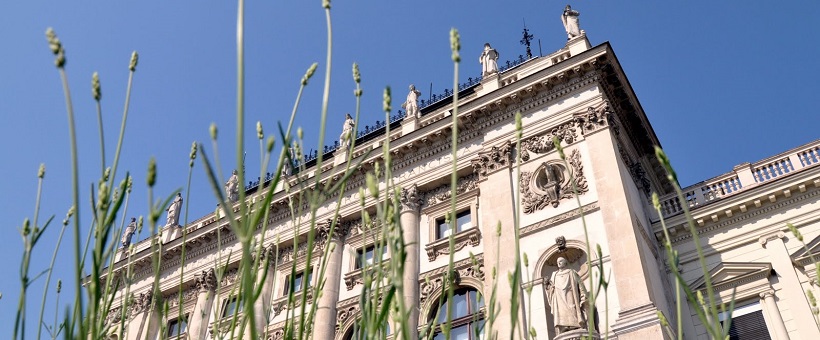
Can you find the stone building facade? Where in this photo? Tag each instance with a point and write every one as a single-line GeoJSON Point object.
{"type": "Point", "coordinates": [581, 96]}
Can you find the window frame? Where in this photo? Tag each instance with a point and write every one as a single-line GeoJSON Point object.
{"type": "Point", "coordinates": [233, 311]}
{"type": "Point", "coordinates": [466, 201]}
{"type": "Point", "coordinates": [474, 316]}
{"type": "Point", "coordinates": [357, 261]}
{"type": "Point", "coordinates": [302, 286]}
{"type": "Point", "coordinates": [175, 321]}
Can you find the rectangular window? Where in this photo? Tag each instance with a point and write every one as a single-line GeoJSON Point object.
{"type": "Point", "coordinates": [231, 306]}
{"type": "Point", "coordinates": [177, 327]}
{"type": "Point", "coordinates": [463, 222]}
{"type": "Point", "coordinates": [300, 281]}
{"type": "Point", "coordinates": [367, 256]}
{"type": "Point", "coordinates": [747, 323]}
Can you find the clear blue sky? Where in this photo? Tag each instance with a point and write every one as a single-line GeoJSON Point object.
{"type": "Point", "coordinates": [723, 82]}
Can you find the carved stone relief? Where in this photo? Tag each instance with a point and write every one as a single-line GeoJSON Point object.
{"type": "Point", "coordinates": [410, 199]}
{"type": "Point", "coordinates": [552, 182]}
{"type": "Point", "coordinates": [543, 144]}
{"type": "Point", "coordinates": [442, 193]}
{"type": "Point", "coordinates": [206, 281]}
{"type": "Point", "coordinates": [489, 161]}
{"type": "Point", "coordinates": [434, 281]}
{"type": "Point", "coordinates": [594, 118]}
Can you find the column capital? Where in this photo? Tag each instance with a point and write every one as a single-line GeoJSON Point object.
{"type": "Point", "coordinates": [771, 237]}
{"type": "Point", "coordinates": [206, 281]}
{"type": "Point", "coordinates": [340, 230]}
{"type": "Point", "coordinates": [410, 199]}
{"type": "Point", "coordinates": [767, 294]}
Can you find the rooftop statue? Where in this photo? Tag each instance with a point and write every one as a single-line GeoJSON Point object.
{"type": "Point", "coordinates": [232, 187]}
{"type": "Point", "coordinates": [488, 60]}
{"type": "Point", "coordinates": [347, 132]}
{"type": "Point", "coordinates": [173, 211]}
{"type": "Point", "coordinates": [129, 233]}
{"type": "Point", "coordinates": [570, 20]}
{"type": "Point", "coordinates": [567, 298]}
{"type": "Point", "coordinates": [411, 105]}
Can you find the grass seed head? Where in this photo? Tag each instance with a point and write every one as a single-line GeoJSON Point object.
{"type": "Point", "coordinates": [357, 77]}
{"type": "Point", "coordinates": [259, 132]}
{"type": "Point", "coordinates": [213, 131]}
{"type": "Point", "coordinates": [309, 73]}
{"type": "Point", "coordinates": [270, 143]}
{"type": "Point", "coordinates": [134, 59]}
{"type": "Point", "coordinates": [151, 179]}
{"type": "Point", "coordinates": [96, 89]}
{"type": "Point", "coordinates": [386, 100]}
{"type": "Point", "coordinates": [41, 172]}
{"type": "Point", "coordinates": [455, 45]}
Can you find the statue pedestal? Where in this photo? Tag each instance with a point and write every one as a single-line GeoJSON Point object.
{"type": "Point", "coordinates": [409, 124]}
{"type": "Point", "coordinates": [340, 157]}
{"type": "Point", "coordinates": [578, 44]}
{"type": "Point", "coordinates": [170, 233]}
{"type": "Point", "coordinates": [488, 84]}
{"type": "Point", "coordinates": [577, 334]}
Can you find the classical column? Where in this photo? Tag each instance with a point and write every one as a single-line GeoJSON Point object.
{"type": "Point", "coordinates": [200, 317]}
{"type": "Point", "coordinates": [143, 316]}
{"type": "Point", "coordinates": [497, 207]}
{"type": "Point", "coordinates": [798, 304]}
{"type": "Point", "coordinates": [324, 326]}
{"type": "Point", "coordinates": [770, 308]}
{"type": "Point", "coordinates": [262, 305]}
{"type": "Point", "coordinates": [410, 204]}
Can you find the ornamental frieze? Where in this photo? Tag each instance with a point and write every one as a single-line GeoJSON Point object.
{"type": "Point", "coordinates": [552, 182]}
{"type": "Point", "coordinates": [496, 158]}
{"type": "Point", "coordinates": [594, 118]}
{"type": "Point", "coordinates": [443, 192]}
{"type": "Point", "coordinates": [543, 144]}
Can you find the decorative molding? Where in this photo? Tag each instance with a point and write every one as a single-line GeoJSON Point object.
{"type": "Point", "coordinates": [356, 277]}
{"type": "Point", "coordinates": [544, 224]}
{"type": "Point", "coordinates": [410, 199]}
{"type": "Point", "coordinates": [594, 118]}
{"type": "Point", "coordinates": [551, 183]}
{"type": "Point", "coordinates": [543, 144]}
{"type": "Point", "coordinates": [492, 160]}
{"type": "Point", "coordinates": [803, 256]}
{"type": "Point", "coordinates": [433, 281]}
{"type": "Point", "coordinates": [141, 303]}
{"type": "Point", "coordinates": [340, 230]}
{"type": "Point", "coordinates": [443, 192]}
{"type": "Point", "coordinates": [229, 277]}
{"type": "Point", "coordinates": [281, 304]}
{"type": "Point", "coordinates": [206, 281]}
{"type": "Point", "coordinates": [471, 236]}
{"type": "Point", "coordinates": [189, 294]}
{"type": "Point", "coordinates": [288, 254]}
{"type": "Point", "coordinates": [729, 275]}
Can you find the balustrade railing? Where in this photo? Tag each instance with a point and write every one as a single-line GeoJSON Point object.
{"type": "Point", "coordinates": [743, 177]}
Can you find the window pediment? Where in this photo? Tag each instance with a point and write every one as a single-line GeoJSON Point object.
{"type": "Point", "coordinates": [732, 274]}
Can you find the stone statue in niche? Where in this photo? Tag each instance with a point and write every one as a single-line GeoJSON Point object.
{"type": "Point", "coordinates": [488, 60]}
{"type": "Point", "coordinates": [129, 233]}
{"type": "Point", "coordinates": [232, 187]}
{"type": "Point", "coordinates": [570, 20]}
{"type": "Point", "coordinates": [567, 298]}
{"type": "Point", "coordinates": [173, 211]}
{"type": "Point", "coordinates": [411, 104]}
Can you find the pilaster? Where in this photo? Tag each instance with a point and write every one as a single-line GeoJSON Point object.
{"type": "Point", "coordinates": [771, 310]}
{"type": "Point", "coordinates": [793, 291]}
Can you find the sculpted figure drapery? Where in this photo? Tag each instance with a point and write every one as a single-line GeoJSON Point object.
{"type": "Point", "coordinates": [570, 20]}
{"type": "Point", "coordinates": [411, 104]}
{"type": "Point", "coordinates": [173, 211]}
{"type": "Point", "coordinates": [488, 60]}
{"type": "Point", "coordinates": [232, 187]}
{"type": "Point", "coordinates": [567, 298]}
{"type": "Point", "coordinates": [129, 233]}
{"type": "Point", "coordinates": [347, 132]}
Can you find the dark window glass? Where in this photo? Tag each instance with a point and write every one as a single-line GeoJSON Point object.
{"type": "Point", "coordinates": [177, 326]}
{"type": "Point", "coordinates": [466, 325]}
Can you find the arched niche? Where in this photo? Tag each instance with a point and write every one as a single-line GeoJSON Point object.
{"type": "Point", "coordinates": [572, 250]}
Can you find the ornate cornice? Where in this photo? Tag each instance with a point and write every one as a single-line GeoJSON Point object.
{"type": "Point", "coordinates": [492, 160]}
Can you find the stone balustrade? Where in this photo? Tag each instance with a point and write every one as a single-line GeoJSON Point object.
{"type": "Point", "coordinates": [742, 177]}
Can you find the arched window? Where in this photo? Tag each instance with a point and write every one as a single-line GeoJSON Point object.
{"type": "Point", "coordinates": [354, 333]}
{"type": "Point", "coordinates": [468, 321]}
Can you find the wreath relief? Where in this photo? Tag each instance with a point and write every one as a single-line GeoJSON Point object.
{"type": "Point", "coordinates": [551, 182]}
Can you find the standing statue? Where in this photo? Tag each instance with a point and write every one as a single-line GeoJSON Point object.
{"type": "Point", "coordinates": [411, 105]}
{"type": "Point", "coordinates": [488, 60]}
{"type": "Point", "coordinates": [232, 187]}
{"type": "Point", "coordinates": [570, 20]}
{"type": "Point", "coordinates": [129, 233]}
{"type": "Point", "coordinates": [173, 211]}
{"type": "Point", "coordinates": [567, 298]}
{"type": "Point", "coordinates": [347, 132]}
